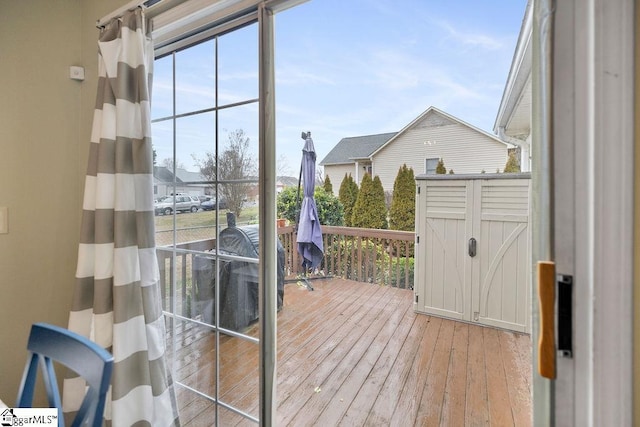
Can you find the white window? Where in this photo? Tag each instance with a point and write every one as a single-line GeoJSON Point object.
{"type": "Point", "coordinates": [430, 166]}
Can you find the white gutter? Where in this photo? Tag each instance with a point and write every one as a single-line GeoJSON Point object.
{"type": "Point", "coordinates": [519, 72]}
{"type": "Point", "coordinates": [512, 140]}
{"type": "Point", "coordinates": [525, 148]}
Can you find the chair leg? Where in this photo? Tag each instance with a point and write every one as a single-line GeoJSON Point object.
{"type": "Point", "coordinates": [28, 384]}
{"type": "Point", "coordinates": [51, 384]}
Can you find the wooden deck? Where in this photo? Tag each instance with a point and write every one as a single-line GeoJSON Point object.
{"type": "Point", "coordinates": [353, 354]}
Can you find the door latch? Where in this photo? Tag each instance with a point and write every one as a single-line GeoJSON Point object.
{"type": "Point", "coordinates": [565, 315]}
{"type": "Point", "coordinates": [472, 247]}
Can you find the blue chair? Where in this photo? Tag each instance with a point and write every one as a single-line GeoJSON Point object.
{"type": "Point", "coordinates": [48, 343]}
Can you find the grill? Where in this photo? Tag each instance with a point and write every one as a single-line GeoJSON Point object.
{"type": "Point", "coordinates": [239, 297]}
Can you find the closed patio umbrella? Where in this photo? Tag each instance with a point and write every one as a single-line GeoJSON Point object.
{"type": "Point", "coordinates": [309, 238]}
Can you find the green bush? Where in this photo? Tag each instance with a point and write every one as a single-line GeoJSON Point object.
{"type": "Point", "coordinates": [403, 204]}
{"type": "Point", "coordinates": [328, 187]}
{"type": "Point", "coordinates": [512, 165]}
{"type": "Point", "coordinates": [440, 169]}
{"type": "Point", "coordinates": [330, 210]}
{"type": "Point", "coordinates": [395, 277]}
{"type": "Point", "coordinates": [370, 210]}
{"type": "Point", "coordinates": [348, 194]}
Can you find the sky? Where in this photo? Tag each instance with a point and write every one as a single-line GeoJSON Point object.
{"type": "Point", "coordinates": [348, 68]}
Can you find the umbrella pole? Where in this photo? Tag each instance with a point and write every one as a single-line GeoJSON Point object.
{"type": "Point", "coordinates": [298, 198]}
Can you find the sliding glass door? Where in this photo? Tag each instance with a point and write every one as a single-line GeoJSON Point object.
{"type": "Point", "coordinates": [205, 119]}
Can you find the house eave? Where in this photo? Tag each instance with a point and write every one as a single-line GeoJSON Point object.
{"type": "Point", "coordinates": [519, 73]}
{"type": "Point", "coordinates": [335, 163]}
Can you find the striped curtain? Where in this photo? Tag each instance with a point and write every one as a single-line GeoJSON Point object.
{"type": "Point", "coordinates": [117, 297]}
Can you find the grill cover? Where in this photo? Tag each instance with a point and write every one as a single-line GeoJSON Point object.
{"type": "Point", "coordinates": [239, 300]}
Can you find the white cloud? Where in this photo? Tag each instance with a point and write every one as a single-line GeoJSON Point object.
{"type": "Point", "coordinates": [249, 75]}
{"type": "Point", "coordinates": [292, 75]}
{"type": "Point", "coordinates": [471, 39]}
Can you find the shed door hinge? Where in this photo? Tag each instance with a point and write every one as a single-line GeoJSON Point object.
{"type": "Point", "coordinates": [416, 295]}
{"type": "Point", "coordinates": [417, 239]}
{"type": "Point", "coordinates": [418, 190]}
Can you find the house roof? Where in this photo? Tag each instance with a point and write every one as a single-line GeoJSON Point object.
{"type": "Point", "coordinates": [433, 111]}
{"type": "Point", "coordinates": [350, 149]}
{"type": "Point", "coordinates": [188, 176]}
{"type": "Point", "coordinates": [287, 181]}
{"type": "Point", "coordinates": [164, 174]}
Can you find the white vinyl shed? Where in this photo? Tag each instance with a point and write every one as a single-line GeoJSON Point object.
{"type": "Point", "coordinates": [473, 258]}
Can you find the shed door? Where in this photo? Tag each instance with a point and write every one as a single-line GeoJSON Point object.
{"type": "Point", "coordinates": [502, 267]}
{"type": "Point", "coordinates": [490, 288]}
{"type": "Point", "coordinates": [444, 274]}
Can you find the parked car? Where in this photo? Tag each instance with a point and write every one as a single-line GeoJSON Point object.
{"type": "Point", "coordinates": [210, 205]}
{"type": "Point", "coordinates": [183, 203]}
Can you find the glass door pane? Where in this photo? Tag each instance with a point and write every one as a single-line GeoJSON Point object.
{"type": "Point", "coordinates": [205, 130]}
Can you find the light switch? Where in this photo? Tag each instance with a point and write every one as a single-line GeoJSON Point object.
{"type": "Point", "coordinates": [4, 220]}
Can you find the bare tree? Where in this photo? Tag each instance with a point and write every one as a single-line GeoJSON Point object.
{"type": "Point", "coordinates": [319, 175]}
{"type": "Point", "coordinates": [235, 166]}
{"type": "Point", "coordinates": [168, 163]}
{"type": "Point", "coordinates": [207, 166]}
{"type": "Point", "coordinates": [232, 170]}
{"type": "Point", "coordinates": [283, 167]}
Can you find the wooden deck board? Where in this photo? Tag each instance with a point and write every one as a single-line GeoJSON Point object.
{"type": "Point", "coordinates": [411, 394]}
{"type": "Point", "coordinates": [361, 361]}
{"type": "Point", "coordinates": [329, 355]}
{"type": "Point", "coordinates": [498, 395]}
{"type": "Point", "coordinates": [455, 397]}
{"type": "Point", "coordinates": [433, 394]}
{"type": "Point", "coordinates": [397, 365]}
{"type": "Point", "coordinates": [353, 353]}
{"type": "Point", "coordinates": [477, 410]}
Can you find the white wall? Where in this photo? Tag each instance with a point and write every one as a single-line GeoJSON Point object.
{"type": "Point", "coordinates": [336, 174]}
{"type": "Point", "coordinates": [463, 149]}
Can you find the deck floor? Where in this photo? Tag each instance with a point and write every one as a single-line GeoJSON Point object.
{"type": "Point", "coordinates": [356, 354]}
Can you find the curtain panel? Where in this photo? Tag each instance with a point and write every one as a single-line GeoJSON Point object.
{"type": "Point", "coordinates": [117, 296]}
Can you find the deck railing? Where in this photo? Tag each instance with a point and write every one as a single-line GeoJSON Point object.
{"type": "Point", "coordinates": [184, 269]}
{"type": "Point", "coordinates": [384, 257]}
{"type": "Point", "coordinates": [369, 255]}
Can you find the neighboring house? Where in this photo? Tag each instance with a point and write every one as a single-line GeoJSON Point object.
{"type": "Point", "coordinates": [433, 135]}
{"type": "Point", "coordinates": [185, 182]}
{"type": "Point", "coordinates": [284, 182]}
{"type": "Point", "coordinates": [513, 122]}
{"type": "Point", "coordinates": [352, 156]}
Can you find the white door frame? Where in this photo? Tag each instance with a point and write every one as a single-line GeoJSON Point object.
{"type": "Point", "coordinates": [591, 210]}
